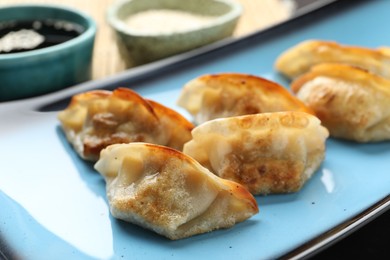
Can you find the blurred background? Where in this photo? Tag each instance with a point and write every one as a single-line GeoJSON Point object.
{"type": "Point", "coordinates": [257, 14]}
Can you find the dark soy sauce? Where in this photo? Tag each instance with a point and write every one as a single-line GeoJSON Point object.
{"type": "Point", "coordinates": [21, 36]}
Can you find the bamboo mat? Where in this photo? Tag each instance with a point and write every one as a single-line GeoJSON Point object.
{"type": "Point", "coordinates": [257, 14]}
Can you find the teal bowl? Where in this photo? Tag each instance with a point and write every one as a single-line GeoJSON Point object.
{"type": "Point", "coordinates": [36, 72]}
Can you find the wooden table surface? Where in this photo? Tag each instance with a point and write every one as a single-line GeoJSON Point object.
{"type": "Point", "coordinates": [257, 14]}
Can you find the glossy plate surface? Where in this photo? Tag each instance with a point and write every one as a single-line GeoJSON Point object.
{"type": "Point", "coordinates": [53, 204]}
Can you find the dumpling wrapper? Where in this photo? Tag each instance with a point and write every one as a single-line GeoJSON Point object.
{"type": "Point", "coordinates": [266, 153]}
{"type": "Point", "coordinates": [233, 94]}
{"type": "Point", "coordinates": [352, 103]}
{"type": "Point", "coordinates": [298, 59]}
{"type": "Point", "coordinates": [166, 191]}
{"type": "Point", "coordinates": [96, 119]}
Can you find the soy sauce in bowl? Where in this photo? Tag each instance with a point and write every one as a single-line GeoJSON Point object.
{"type": "Point", "coordinates": [27, 35]}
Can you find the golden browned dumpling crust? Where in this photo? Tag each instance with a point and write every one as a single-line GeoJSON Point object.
{"type": "Point", "coordinates": [166, 191]}
{"type": "Point", "coordinates": [301, 57]}
{"type": "Point", "coordinates": [234, 94]}
{"type": "Point", "coordinates": [267, 153]}
{"type": "Point", "coordinates": [96, 119]}
{"type": "Point", "coordinates": [351, 102]}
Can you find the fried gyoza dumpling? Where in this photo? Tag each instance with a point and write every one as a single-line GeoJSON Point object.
{"type": "Point", "coordinates": [352, 103]}
{"type": "Point", "coordinates": [96, 119]}
{"type": "Point", "coordinates": [298, 59]}
{"type": "Point", "coordinates": [164, 190]}
{"type": "Point", "coordinates": [233, 94]}
{"type": "Point", "coordinates": [267, 153]}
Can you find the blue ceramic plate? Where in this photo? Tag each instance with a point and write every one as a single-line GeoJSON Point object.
{"type": "Point", "coordinates": [53, 205]}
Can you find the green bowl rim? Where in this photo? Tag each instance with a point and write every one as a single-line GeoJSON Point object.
{"type": "Point", "coordinates": [89, 33]}
{"type": "Point", "coordinates": [117, 24]}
